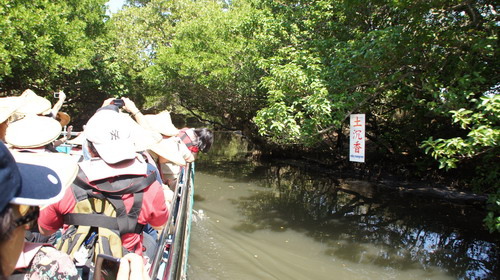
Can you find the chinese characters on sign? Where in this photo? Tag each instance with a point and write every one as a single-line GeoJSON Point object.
{"type": "Point", "coordinates": [357, 139]}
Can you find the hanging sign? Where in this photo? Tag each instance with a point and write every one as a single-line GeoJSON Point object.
{"type": "Point", "coordinates": [357, 139]}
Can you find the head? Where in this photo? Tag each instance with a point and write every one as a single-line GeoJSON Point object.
{"type": "Point", "coordinates": [25, 185]}
{"type": "Point", "coordinates": [205, 138]}
{"type": "Point", "coordinates": [109, 135]}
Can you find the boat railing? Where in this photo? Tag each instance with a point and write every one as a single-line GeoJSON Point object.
{"type": "Point", "coordinates": [170, 261]}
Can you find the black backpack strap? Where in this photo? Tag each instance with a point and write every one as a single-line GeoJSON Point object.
{"type": "Point", "coordinates": [123, 222]}
{"type": "Point", "coordinates": [125, 184]}
{"type": "Point", "coordinates": [127, 222]}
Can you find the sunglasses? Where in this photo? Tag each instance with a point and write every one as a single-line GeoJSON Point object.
{"type": "Point", "coordinates": [29, 214]}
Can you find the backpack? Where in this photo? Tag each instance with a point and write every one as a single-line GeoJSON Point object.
{"type": "Point", "coordinates": [99, 218]}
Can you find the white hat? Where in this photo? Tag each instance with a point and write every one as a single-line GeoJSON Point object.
{"type": "Point", "coordinates": [34, 178]}
{"type": "Point", "coordinates": [33, 104]}
{"type": "Point", "coordinates": [161, 123]}
{"type": "Point", "coordinates": [8, 106]}
{"type": "Point", "coordinates": [110, 134]}
{"type": "Point", "coordinates": [32, 132]}
{"type": "Point", "coordinates": [169, 149]}
{"type": "Point", "coordinates": [143, 138]}
{"type": "Point", "coordinates": [63, 164]}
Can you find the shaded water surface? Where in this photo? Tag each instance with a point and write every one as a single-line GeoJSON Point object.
{"type": "Point", "coordinates": [276, 221]}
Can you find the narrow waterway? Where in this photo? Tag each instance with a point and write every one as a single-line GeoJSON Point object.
{"type": "Point", "coordinates": [275, 221]}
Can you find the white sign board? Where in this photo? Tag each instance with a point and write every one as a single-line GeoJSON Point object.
{"type": "Point", "coordinates": [357, 139]}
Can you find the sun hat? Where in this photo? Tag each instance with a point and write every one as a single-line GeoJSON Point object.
{"type": "Point", "coordinates": [8, 106]}
{"type": "Point", "coordinates": [63, 164]}
{"type": "Point", "coordinates": [32, 132]}
{"type": "Point", "coordinates": [31, 181]}
{"type": "Point", "coordinates": [63, 118]}
{"type": "Point", "coordinates": [161, 123]}
{"type": "Point", "coordinates": [168, 149]}
{"type": "Point", "coordinates": [33, 104]}
{"type": "Point", "coordinates": [110, 133]}
{"type": "Point", "coordinates": [143, 138]}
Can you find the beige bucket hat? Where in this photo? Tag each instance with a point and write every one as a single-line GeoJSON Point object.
{"type": "Point", "coordinates": [169, 149]}
{"type": "Point", "coordinates": [32, 132]}
{"type": "Point", "coordinates": [161, 123]}
{"type": "Point", "coordinates": [8, 106]}
{"type": "Point", "coordinates": [34, 104]}
{"type": "Point", "coordinates": [143, 138]}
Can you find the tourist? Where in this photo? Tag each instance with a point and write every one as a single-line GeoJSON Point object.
{"type": "Point", "coordinates": [25, 186]}
{"type": "Point", "coordinates": [197, 139]}
{"type": "Point", "coordinates": [113, 159]}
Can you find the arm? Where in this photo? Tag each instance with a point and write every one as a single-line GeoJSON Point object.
{"type": "Point", "coordinates": [134, 112]}
{"type": "Point", "coordinates": [59, 103]}
{"type": "Point", "coordinates": [158, 215]}
{"type": "Point", "coordinates": [45, 222]}
{"type": "Point", "coordinates": [62, 140]}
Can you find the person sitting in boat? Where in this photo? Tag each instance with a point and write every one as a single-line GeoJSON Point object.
{"type": "Point", "coordinates": [114, 167]}
{"type": "Point", "coordinates": [197, 139]}
{"type": "Point", "coordinates": [27, 181]}
{"type": "Point", "coordinates": [170, 154]}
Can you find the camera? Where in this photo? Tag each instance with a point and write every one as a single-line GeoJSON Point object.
{"type": "Point", "coordinates": [56, 94]}
{"type": "Point", "coordinates": [118, 102]}
{"type": "Point", "coordinates": [106, 267]}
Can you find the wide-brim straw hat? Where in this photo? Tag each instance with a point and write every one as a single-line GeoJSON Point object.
{"type": "Point", "coordinates": [33, 132]}
{"type": "Point", "coordinates": [143, 138]}
{"type": "Point", "coordinates": [8, 106]}
{"type": "Point", "coordinates": [168, 149]}
{"type": "Point", "coordinates": [63, 118]}
{"type": "Point", "coordinates": [34, 104]}
{"type": "Point", "coordinates": [161, 123]}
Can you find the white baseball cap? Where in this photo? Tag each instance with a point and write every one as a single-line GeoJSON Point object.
{"type": "Point", "coordinates": [110, 133]}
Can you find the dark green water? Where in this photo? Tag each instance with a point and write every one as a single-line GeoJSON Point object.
{"type": "Point", "coordinates": [276, 221]}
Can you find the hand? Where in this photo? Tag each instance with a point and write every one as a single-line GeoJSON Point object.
{"type": "Point", "coordinates": [107, 101]}
{"type": "Point", "coordinates": [132, 267]}
{"type": "Point", "coordinates": [62, 96]}
{"type": "Point", "coordinates": [129, 105]}
{"type": "Point", "coordinates": [69, 129]}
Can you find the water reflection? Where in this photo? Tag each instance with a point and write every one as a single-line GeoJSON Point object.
{"type": "Point", "coordinates": [365, 226]}
{"type": "Point", "coordinates": [356, 221]}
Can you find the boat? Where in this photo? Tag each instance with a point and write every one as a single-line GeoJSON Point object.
{"type": "Point", "coordinates": [171, 259]}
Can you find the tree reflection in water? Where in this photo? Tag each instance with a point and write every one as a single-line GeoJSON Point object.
{"type": "Point", "coordinates": [362, 225]}
{"type": "Point", "coordinates": [358, 222]}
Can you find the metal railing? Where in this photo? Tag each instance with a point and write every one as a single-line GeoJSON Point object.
{"type": "Point", "coordinates": [170, 261]}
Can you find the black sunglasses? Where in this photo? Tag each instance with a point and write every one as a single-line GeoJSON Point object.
{"type": "Point", "coordinates": [30, 216]}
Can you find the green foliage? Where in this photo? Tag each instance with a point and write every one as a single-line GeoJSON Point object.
{"type": "Point", "coordinates": [481, 142]}
{"type": "Point", "coordinates": [289, 71]}
{"type": "Point", "coordinates": [44, 41]}
{"type": "Point", "coordinates": [483, 134]}
{"type": "Point", "coordinates": [210, 63]}
{"type": "Point", "coordinates": [492, 220]}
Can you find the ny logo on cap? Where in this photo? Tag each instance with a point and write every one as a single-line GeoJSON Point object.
{"type": "Point", "coordinates": [114, 134]}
